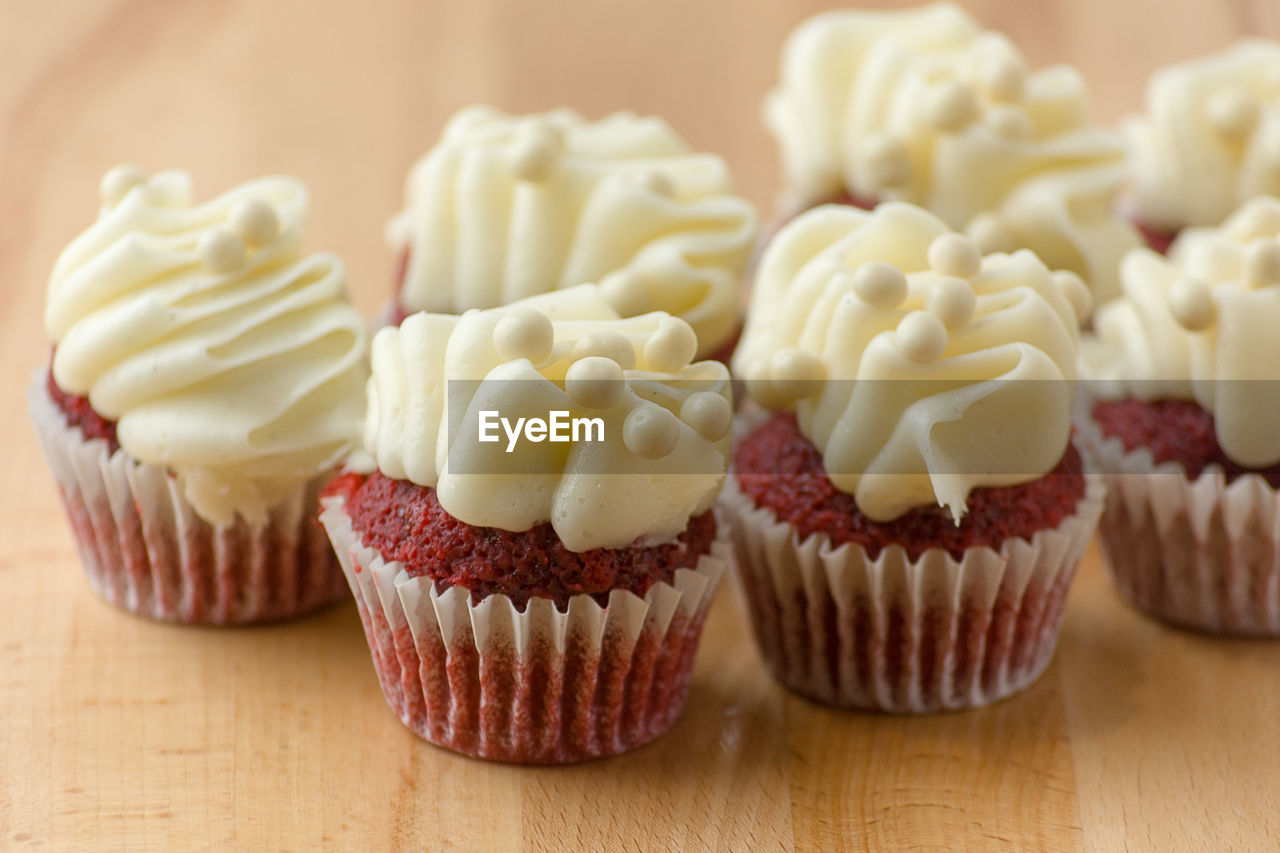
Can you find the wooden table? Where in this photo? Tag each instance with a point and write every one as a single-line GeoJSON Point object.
{"type": "Point", "coordinates": [123, 734]}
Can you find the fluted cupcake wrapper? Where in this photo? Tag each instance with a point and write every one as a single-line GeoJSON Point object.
{"type": "Point", "coordinates": [146, 550]}
{"type": "Point", "coordinates": [538, 687]}
{"type": "Point", "coordinates": [903, 636]}
{"type": "Point", "coordinates": [1202, 553]}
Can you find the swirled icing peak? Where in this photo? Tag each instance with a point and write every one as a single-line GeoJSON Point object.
{"type": "Point", "coordinates": [919, 367]}
{"type": "Point", "coordinates": [1201, 324]}
{"type": "Point", "coordinates": [1210, 138]}
{"type": "Point", "coordinates": [505, 207]}
{"type": "Point", "coordinates": [659, 456]}
{"type": "Point", "coordinates": [925, 106]}
{"type": "Point", "coordinates": [222, 351]}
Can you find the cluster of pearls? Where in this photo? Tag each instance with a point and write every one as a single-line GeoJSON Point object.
{"type": "Point", "coordinates": [921, 335]}
{"type": "Point", "coordinates": [1257, 230]}
{"type": "Point", "coordinates": [952, 105]}
{"type": "Point", "coordinates": [596, 380]}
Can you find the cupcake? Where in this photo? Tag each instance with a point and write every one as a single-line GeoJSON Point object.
{"type": "Point", "coordinates": [529, 598]}
{"type": "Point", "coordinates": [909, 516]}
{"type": "Point", "coordinates": [925, 106]}
{"type": "Point", "coordinates": [1208, 142]}
{"type": "Point", "coordinates": [205, 380]}
{"type": "Point", "coordinates": [507, 207]}
{"type": "Point", "coordinates": [1183, 425]}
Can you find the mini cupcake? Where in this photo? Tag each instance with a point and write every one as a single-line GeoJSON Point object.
{"type": "Point", "coordinates": [1209, 141]}
{"type": "Point", "coordinates": [1184, 368]}
{"type": "Point", "coordinates": [925, 106]}
{"type": "Point", "coordinates": [506, 207]}
{"type": "Point", "coordinates": [909, 519]}
{"type": "Point", "coordinates": [206, 378]}
{"type": "Point", "coordinates": [527, 600]}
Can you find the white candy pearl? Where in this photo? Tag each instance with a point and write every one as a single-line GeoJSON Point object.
{"type": "Point", "coordinates": [595, 382]}
{"type": "Point", "coordinates": [955, 254]}
{"type": "Point", "coordinates": [921, 337]}
{"type": "Point", "coordinates": [886, 161]}
{"type": "Point", "coordinates": [1004, 77]}
{"type": "Point", "coordinates": [1076, 292]}
{"type": "Point", "coordinates": [1262, 262]}
{"type": "Point", "coordinates": [611, 345]}
{"type": "Point", "coordinates": [951, 106]}
{"type": "Point", "coordinates": [1192, 305]}
{"type": "Point", "coordinates": [524, 333]}
{"type": "Point", "coordinates": [659, 183]}
{"type": "Point", "coordinates": [797, 373]}
{"type": "Point", "coordinates": [1010, 123]}
{"type": "Point", "coordinates": [672, 347]}
{"type": "Point", "coordinates": [537, 152]}
{"type": "Point", "coordinates": [1233, 113]}
{"type": "Point", "coordinates": [708, 413]}
{"type": "Point", "coordinates": [880, 284]}
{"type": "Point", "coordinates": [990, 234]}
{"type": "Point", "coordinates": [625, 291]}
{"type": "Point", "coordinates": [255, 220]}
{"type": "Point", "coordinates": [952, 301]}
{"type": "Point", "coordinates": [650, 431]}
{"type": "Point", "coordinates": [118, 181]}
{"type": "Point", "coordinates": [221, 250]}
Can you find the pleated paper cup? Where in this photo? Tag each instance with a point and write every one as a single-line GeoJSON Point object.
{"type": "Point", "coordinates": [1201, 554]}
{"type": "Point", "coordinates": [897, 635]}
{"type": "Point", "coordinates": [538, 687]}
{"type": "Point", "coordinates": [146, 550]}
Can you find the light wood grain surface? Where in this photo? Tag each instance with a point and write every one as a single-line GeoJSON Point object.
{"type": "Point", "coordinates": [123, 734]}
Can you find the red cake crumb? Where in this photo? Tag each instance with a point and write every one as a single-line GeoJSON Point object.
{"type": "Point", "coordinates": [851, 200]}
{"type": "Point", "coordinates": [1158, 239]}
{"type": "Point", "coordinates": [778, 468]}
{"type": "Point", "coordinates": [1174, 431]}
{"type": "Point", "coordinates": [404, 521]}
{"type": "Point", "coordinates": [79, 413]}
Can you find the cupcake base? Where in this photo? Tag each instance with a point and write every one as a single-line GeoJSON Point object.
{"type": "Point", "coordinates": [900, 636]}
{"type": "Point", "coordinates": [538, 687]}
{"type": "Point", "coordinates": [145, 550]}
{"type": "Point", "coordinates": [1202, 554]}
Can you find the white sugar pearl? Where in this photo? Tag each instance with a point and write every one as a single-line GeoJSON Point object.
{"type": "Point", "coordinates": [221, 250]}
{"type": "Point", "coordinates": [524, 333]}
{"type": "Point", "coordinates": [921, 337]}
{"type": "Point", "coordinates": [951, 106]}
{"type": "Point", "coordinates": [880, 284]}
{"type": "Point", "coordinates": [1262, 262]}
{"type": "Point", "coordinates": [885, 161]}
{"type": "Point", "coordinates": [626, 292]}
{"type": "Point", "coordinates": [118, 181]}
{"type": "Point", "coordinates": [952, 301]}
{"type": "Point", "coordinates": [537, 152]}
{"type": "Point", "coordinates": [595, 382]}
{"type": "Point", "coordinates": [1004, 76]}
{"type": "Point", "coordinates": [708, 413]}
{"type": "Point", "coordinates": [659, 183]}
{"type": "Point", "coordinates": [955, 254]}
{"type": "Point", "coordinates": [1233, 113]}
{"type": "Point", "coordinates": [990, 234]}
{"type": "Point", "coordinates": [1192, 304]}
{"type": "Point", "coordinates": [650, 431]}
{"type": "Point", "coordinates": [797, 373]}
{"type": "Point", "coordinates": [255, 220]}
{"type": "Point", "coordinates": [672, 347]}
{"type": "Point", "coordinates": [1010, 123]}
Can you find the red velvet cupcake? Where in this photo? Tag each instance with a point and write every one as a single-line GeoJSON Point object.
{"type": "Point", "coordinates": [206, 380]}
{"type": "Point", "coordinates": [526, 601]}
{"type": "Point", "coordinates": [1184, 427]}
{"type": "Point", "coordinates": [908, 531]}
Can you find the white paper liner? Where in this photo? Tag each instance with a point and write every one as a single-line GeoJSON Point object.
{"type": "Point", "coordinates": [892, 635]}
{"type": "Point", "coordinates": [1202, 553]}
{"type": "Point", "coordinates": [538, 687]}
{"type": "Point", "coordinates": [145, 549]}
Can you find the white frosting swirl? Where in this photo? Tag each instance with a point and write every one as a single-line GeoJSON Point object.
{"type": "Point", "coordinates": [506, 207]}
{"type": "Point", "coordinates": [666, 421]}
{"type": "Point", "coordinates": [1192, 325]}
{"type": "Point", "coordinates": [1210, 138]}
{"type": "Point", "coordinates": [924, 106]}
{"type": "Point", "coordinates": [944, 370]}
{"type": "Point", "coordinates": [220, 350]}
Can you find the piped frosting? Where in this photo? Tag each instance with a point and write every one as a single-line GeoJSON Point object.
{"type": "Point", "coordinates": [925, 106]}
{"type": "Point", "coordinates": [666, 419]}
{"type": "Point", "coordinates": [919, 367]}
{"type": "Point", "coordinates": [506, 207]}
{"type": "Point", "coordinates": [222, 352]}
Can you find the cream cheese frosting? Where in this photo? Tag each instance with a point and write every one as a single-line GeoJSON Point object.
{"type": "Point", "coordinates": [919, 368]}
{"type": "Point", "coordinates": [666, 421]}
{"type": "Point", "coordinates": [221, 351]}
{"type": "Point", "coordinates": [506, 207]}
{"type": "Point", "coordinates": [1201, 325]}
{"type": "Point", "coordinates": [1210, 138]}
{"type": "Point", "coordinates": [925, 106]}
